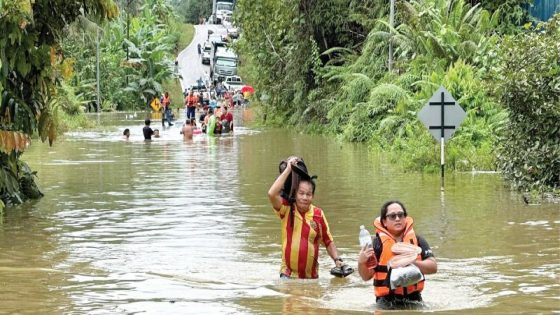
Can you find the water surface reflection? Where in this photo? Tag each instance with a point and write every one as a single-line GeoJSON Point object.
{"type": "Point", "coordinates": [174, 227]}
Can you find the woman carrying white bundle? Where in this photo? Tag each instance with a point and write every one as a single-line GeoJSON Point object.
{"type": "Point", "coordinates": [396, 249]}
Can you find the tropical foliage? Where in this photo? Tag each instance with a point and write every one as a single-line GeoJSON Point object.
{"type": "Point", "coordinates": [192, 11]}
{"type": "Point", "coordinates": [325, 68]}
{"type": "Point", "coordinates": [528, 82]}
{"type": "Point", "coordinates": [30, 64]}
{"type": "Point", "coordinates": [136, 52]}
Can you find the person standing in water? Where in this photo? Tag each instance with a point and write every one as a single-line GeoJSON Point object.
{"type": "Point", "coordinates": [166, 108]}
{"type": "Point", "coordinates": [303, 226]}
{"type": "Point", "coordinates": [393, 226]}
{"type": "Point", "coordinates": [148, 132]}
{"type": "Point", "coordinates": [126, 134]}
{"type": "Point", "coordinates": [187, 130]}
{"type": "Point", "coordinates": [210, 122]}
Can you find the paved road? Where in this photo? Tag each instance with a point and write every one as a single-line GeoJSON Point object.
{"type": "Point", "coordinates": [190, 66]}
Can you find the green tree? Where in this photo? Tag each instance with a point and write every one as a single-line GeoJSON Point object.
{"type": "Point", "coordinates": [192, 10]}
{"type": "Point", "coordinates": [136, 55]}
{"type": "Point", "coordinates": [512, 13]}
{"type": "Point", "coordinates": [286, 43]}
{"type": "Point", "coordinates": [30, 62]}
{"type": "Point", "coordinates": [528, 79]}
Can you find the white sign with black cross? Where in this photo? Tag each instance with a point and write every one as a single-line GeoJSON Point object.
{"type": "Point", "coordinates": [442, 115]}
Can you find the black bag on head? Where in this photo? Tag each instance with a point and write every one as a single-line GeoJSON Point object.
{"type": "Point", "coordinates": [298, 172]}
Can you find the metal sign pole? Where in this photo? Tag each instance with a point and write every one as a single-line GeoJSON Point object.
{"type": "Point", "coordinates": [442, 162]}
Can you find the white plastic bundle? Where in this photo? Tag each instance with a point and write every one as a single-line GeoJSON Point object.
{"type": "Point", "coordinates": [403, 272]}
{"type": "Point", "coordinates": [405, 276]}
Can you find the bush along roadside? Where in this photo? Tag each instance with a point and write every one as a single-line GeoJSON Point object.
{"type": "Point", "coordinates": [528, 83]}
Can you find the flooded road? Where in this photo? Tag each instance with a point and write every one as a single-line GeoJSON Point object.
{"type": "Point", "coordinates": [174, 227]}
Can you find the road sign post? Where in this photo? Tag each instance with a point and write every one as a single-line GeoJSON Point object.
{"type": "Point", "coordinates": [442, 115]}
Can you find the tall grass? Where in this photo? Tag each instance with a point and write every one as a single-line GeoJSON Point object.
{"type": "Point", "coordinates": [184, 33]}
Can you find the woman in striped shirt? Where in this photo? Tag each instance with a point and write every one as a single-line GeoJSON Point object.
{"type": "Point", "coordinates": [303, 226]}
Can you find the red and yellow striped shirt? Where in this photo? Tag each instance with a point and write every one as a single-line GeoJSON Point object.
{"type": "Point", "coordinates": [300, 240]}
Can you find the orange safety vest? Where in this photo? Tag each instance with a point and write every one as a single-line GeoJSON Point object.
{"type": "Point", "coordinates": [380, 282]}
{"type": "Point", "coordinates": [191, 101]}
{"type": "Point", "coordinates": [166, 101]}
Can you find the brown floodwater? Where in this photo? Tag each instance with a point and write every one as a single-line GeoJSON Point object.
{"type": "Point", "coordinates": [175, 227]}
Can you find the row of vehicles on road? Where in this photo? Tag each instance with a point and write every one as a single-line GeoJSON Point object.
{"type": "Point", "coordinates": [231, 83]}
{"type": "Point", "coordinates": [223, 63]}
{"type": "Point", "coordinates": [222, 60]}
{"type": "Point", "coordinates": [206, 51]}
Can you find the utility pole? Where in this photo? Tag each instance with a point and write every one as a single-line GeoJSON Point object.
{"type": "Point", "coordinates": [127, 25]}
{"type": "Point", "coordinates": [97, 66]}
{"type": "Point", "coordinates": [128, 2]}
{"type": "Point", "coordinates": [392, 23]}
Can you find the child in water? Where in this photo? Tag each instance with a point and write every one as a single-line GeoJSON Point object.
{"type": "Point", "coordinates": [126, 134]}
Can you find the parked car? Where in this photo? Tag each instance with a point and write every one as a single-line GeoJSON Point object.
{"type": "Point", "coordinates": [207, 48]}
{"type": "Point", "coordinates": [215, 39]}
{"type": "Point", "coordinates": [233, 83]}
{"type": "Point", "coordinates": [199, 86]}
{"type": "Point", "coordinates": [233, 32]}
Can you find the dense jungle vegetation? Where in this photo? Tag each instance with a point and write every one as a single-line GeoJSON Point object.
{"type": "Point", "coordinates": [323, 66]}
{"type": "Point", "coordinates": [48, 70]}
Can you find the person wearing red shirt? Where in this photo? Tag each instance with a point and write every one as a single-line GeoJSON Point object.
{"type": "Point", "coordinates": [227, 120]}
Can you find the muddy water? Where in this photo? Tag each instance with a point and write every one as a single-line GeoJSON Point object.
{"type": "Point", "coordinates": [175, 227]}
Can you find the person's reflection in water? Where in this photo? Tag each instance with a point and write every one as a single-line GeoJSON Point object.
{"type": "Point", "coordinates": [303, 297]}
{"type": "Point", "coordinates": [394, 226]}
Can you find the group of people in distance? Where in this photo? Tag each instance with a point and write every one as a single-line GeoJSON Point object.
{"type": "Point", "coordinates": [213, 119]}
{"type": "Point", "coordinates": [304, 225]}
{"type": "Point", "coordinates": [216, 118]}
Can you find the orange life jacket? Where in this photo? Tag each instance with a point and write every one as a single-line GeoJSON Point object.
{"type": "Point", "coordinates": [380, 282]}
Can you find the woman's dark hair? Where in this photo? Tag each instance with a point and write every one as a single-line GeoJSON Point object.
{"type": "Point", "coordinates": [126, 131]}
{"type": "Point", "coordinates": [387, 204]}
{"type": "Point", "coordinates": [311, 181]}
